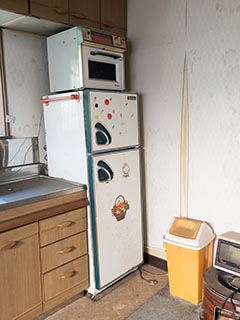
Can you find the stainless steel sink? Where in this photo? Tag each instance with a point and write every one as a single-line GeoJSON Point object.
{"type": "Point", "coordinates": [35, 189]}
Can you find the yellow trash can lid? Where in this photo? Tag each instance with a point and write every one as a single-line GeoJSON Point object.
{"type": "Point", "coordinates": [189, 233]}
{"type": "Point", "coordinates": [186, 228]}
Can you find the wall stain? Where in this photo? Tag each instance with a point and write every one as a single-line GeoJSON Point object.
{"type": "Point", "coordinates": [230, 8]}
{"type": "Point", "coordinates": [193, 58]}
{"type": "Point", "coordinates": [230, 58]}
{"type": "Point", "coordinates": [18, 77]}
{"type": "Point", "coordinates": [231, 62]}
{"type": "Point", "coordinates": [186, 17]}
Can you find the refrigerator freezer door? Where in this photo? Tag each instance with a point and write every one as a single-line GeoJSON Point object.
{"type": "Point", "coordinates": [65, 136]}
{"type": "Point", "coordinates": [117, 214]}
{"type": "Point", "coordinates": [113, 120]}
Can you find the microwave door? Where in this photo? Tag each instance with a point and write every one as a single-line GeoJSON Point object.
{"type": "Point", "coordinates": [227, 256]}
{"type": "Point", "coordinates": [102, 69]}
{"type": "Point", "coordinates": [98, 71]}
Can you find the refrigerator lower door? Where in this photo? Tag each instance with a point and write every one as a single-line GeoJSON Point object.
{"type": "Point", "coordinates": [116, 214]}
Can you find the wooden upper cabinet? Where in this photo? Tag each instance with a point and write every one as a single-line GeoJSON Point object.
{"type": "Point", "coordinates": [108, 15]}
{"type": "Point", "coordinates": [84, 12]}
{"type": "Point", "coordinates": [114, 16]}
{"type": "Point", "coordinates": [53, 10]}
{"type": "Point", "coordinates": [17, 6]}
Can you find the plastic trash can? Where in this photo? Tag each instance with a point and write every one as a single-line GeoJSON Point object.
{"type": "Point", "coordinates": [189, 246]}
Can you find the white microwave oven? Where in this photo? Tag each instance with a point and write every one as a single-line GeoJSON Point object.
{"type": "Point", "coordinates": [227, 253]}
{"type": "Point", "coordinates": [80, 58]}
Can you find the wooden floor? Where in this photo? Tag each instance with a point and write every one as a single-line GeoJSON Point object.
{"type": "Point", "coordinates": [124, 298]}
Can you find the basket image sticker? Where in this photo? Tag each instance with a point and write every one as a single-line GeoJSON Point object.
{"type": "Point", "coordinates": [120, 208]}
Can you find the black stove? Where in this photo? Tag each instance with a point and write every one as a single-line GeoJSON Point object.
{"type": "Point", "coordinates": [229, 281]}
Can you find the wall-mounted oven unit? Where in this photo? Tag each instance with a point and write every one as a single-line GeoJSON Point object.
{"type": "Point", "coordinates": [83, 58]}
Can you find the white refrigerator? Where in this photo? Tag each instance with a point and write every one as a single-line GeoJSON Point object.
{"type": "Point", "coordinates": [92, 137]}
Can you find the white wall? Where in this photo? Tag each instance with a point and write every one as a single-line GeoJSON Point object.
{"type": "Point", "coordinates": [26, 69]}
{"type": "Point", "coordinates": [160, 33]}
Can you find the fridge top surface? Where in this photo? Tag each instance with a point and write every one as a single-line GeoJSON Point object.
{"type": "Point", "coordinates": [79, 90]}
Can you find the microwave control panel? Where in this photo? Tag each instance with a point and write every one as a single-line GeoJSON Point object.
{"type": "Point", "coordinates": [100, 37]}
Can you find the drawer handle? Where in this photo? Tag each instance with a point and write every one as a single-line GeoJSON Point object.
{"type": "Point", "coordinates": [109, 24]}
{"type": "Point", "coordinates": [78, 15]}
{"type": "Point", "coordinates": [65, 250]}
{"type": "Point", "coordinates": [59, 10]}
{"type": "Point", "coordinates": [8, 245]}
{"type": "Point", "coordinates": [65, 224]}
{"type": "Point", "coordinates": [67, 275]}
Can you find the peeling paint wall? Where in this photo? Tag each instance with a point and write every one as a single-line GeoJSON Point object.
{"type": "Point", "coordinates": [160, 33]}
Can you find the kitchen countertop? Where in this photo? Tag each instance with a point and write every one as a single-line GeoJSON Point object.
{"type": "Point", "coordinates": [35, 189]}
{"type": "Point", "coordinates": [29, 200]}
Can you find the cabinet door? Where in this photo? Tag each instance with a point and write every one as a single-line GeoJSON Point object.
{"type": "Point", "coordinates": [18, 6]}
{"type": "Point", "coordinates": [20, 273]}
{"type": "Point", "coordinates": [114, 16]}
{"type": "Point", "coordinates": [84, 12]}
{"type": "Point", "coordinates": [54, 10]}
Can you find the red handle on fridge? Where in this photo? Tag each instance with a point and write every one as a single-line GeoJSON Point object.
{"type": "Point", "coordinates": [74, 96]}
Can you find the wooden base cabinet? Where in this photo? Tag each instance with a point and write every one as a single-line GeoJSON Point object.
{"type": "Point", "coordinates": [20, 280]}
{"type": "Point", "coordinates": [45, 262]}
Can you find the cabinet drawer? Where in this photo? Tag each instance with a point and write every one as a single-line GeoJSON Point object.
{"type": "Point", "coordinates": [62, 226]}
{"type": "Point", "coordinates": [64, 278]}
{"type": "Point", "coordinates": [63, 251]}
{"type": "Point", "coordinates": [16, 235]}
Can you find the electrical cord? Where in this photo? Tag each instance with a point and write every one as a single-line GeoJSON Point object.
{"type": "Point", "coordinates": [40, 123]}
{"type": "Point", "coordinates": [17, 152]}
{"type": "Point", "coordinates": [236, 317]}
{"type": "Point", "coordinates": [152, 282]}
{"type": "Point", "coordinates": [14, 173]}
{"type": "Point", "coordinates": [154, 273]}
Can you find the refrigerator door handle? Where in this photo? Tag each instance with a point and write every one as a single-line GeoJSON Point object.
{"type": "Point", "coordinates": [103, 137]}
{"type": "Point", "coordinates": [74, 96]}
{"type": "Point", "coordinates": [105, 173]}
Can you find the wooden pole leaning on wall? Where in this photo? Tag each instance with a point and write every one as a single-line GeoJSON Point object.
{"type": "Point", "coordinates": [184, 145]}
